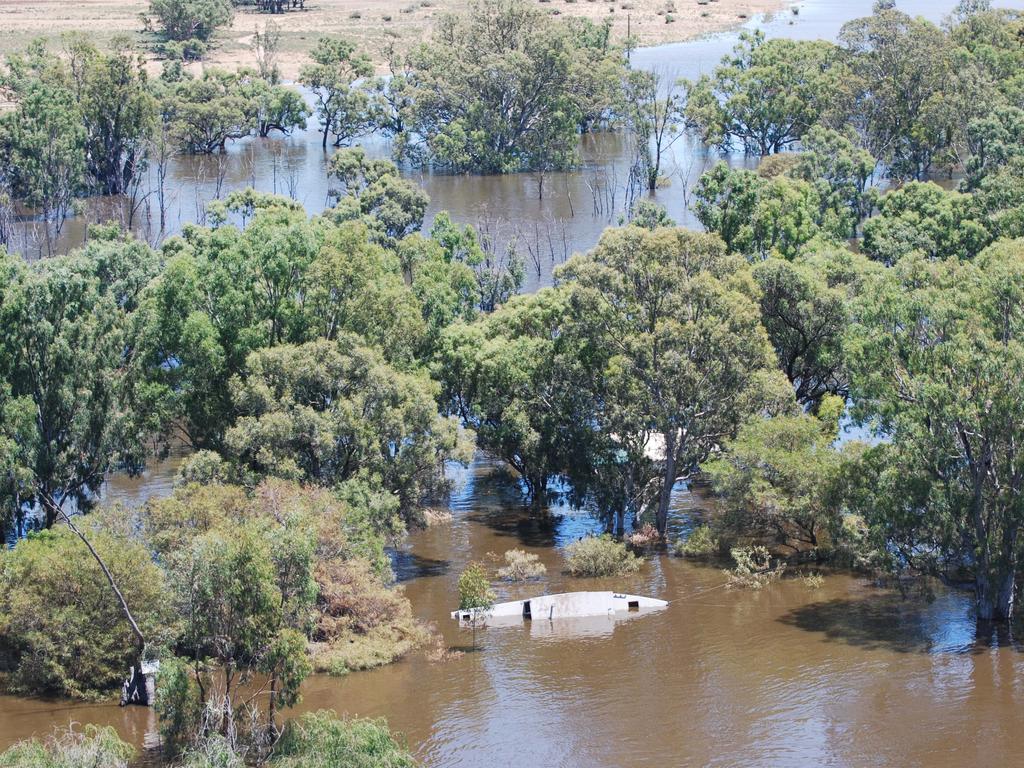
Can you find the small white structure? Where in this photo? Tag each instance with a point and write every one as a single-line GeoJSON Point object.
{"type": "Point", "coordinates": [567, 605]}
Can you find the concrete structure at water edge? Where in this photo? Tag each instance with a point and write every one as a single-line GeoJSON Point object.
{"type": "Point", "coordinates": [566, 605]}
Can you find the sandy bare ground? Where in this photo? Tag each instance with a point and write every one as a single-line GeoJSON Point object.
{"type": "Point", "coordinates": [371, 23]}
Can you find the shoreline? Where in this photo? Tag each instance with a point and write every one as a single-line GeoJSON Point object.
{"type": "Point", "coordinates": [371, 24]}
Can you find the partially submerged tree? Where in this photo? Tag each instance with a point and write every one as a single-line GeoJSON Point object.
{"type": "Point", "coordinates": [654, 111]}
{"type": "Point", "coordinates": [778, 479]}
{"type": "Point", "coordinates": [342, 103]}
{"type": "Point", "coordinates": [188, 19]}
{"type": "Point", "coordinates": [476, 598]}
{"type": "Point", "coordinates": [500, 88]}
{"type": "Point", "coordinates": [671, 322]}
{"type": "Point", "coordinates": [937, 354]}
{"type": "Point", "coordinates": [766, 95]}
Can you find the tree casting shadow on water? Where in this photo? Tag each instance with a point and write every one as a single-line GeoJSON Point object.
{"type": "Point", "coordinates": [892, 623]}
{"type": "Point", "coordinates": [408, 565]}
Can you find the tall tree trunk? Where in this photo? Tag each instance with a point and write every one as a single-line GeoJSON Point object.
{"type": "Point", "coordinates": [668, 480]}
{"type": "Point", "coordinates": [995, 582]}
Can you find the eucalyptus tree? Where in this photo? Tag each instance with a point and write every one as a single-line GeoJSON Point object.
{"type": "Point", "coordinates": [66, 359]}
{"type": "Point", "coordinates": [670, 322]}
{"type": "Point", "coordinates": [337, 77]}
{"type": "Point", "coordinates": [329, 412]}
{"type": "Point", "coordinates": [841, 172]}
{"type": "Point", "coordinates": [758, 216]}
{"type": "Point", "coordinates": [65, 350]}
{"type": "Point", "coordinates": [779, 478]}
{"type": "Point", "coordinates": [117, 108]}
{"type": "Point", "coordinates": [937, 365]}
{"type": "Point", "coordinates": [805, 318]}
{"type": "Point", "coordinates": [655, 112]}
{"type": "Point", "coordinates": [501, 88]}
{"type": "Point", "coordinates": [188, 19]}
{"type": "Point", "coordinates": [904, 91]}
{"type": "Point", "coordinates": [767, 94]}
{"type": "Point", "coordinates": [373, 191]}
{"type": "Point", "coordinates": [517, 379]}
{"type": "Point", "coordinates": [922, 216]}
{"type": "Point", "coordinates": [42, 152]}
{"type": "Point", "coordinates": [993, 140]}
{"type": "Point", "coordinates": [200, 115]}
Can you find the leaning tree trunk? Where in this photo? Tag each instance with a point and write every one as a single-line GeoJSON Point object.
{"type": "Point", "coordinates": [60, 513]}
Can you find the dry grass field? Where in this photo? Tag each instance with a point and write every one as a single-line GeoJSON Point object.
{"type": "Point", "coordinates": [369, 22]}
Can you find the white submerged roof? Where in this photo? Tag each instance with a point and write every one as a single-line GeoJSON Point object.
{"type": "Point", "coordinates": [568, 605]}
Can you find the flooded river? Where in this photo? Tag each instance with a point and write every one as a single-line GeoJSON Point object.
{"type": "Point", "coordinates": [844, 675]}
{"type": "Point", "coordinates": [847, 674]}
{"type": "Point", "coordinates": [570, 217]}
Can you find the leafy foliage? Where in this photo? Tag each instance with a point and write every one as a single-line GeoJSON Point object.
{"type": "Point", "coordinates": [321, 740]}
{"type": "Point", "coordinates": [92, 746]}
{"type": "Point", "coordinates": [521, 566]}
{"type": "Point", "coordinates": [61, 630]}
{"type": "Point", "coordinates": [601, 556]}
{"type": "Point", "coordinates": [187, 19]}
{"type": "Point", "coordinates": [937, 352]}
{"type": "Point", "coordinates": [500, 88]}
{"type": "Point", "coordinates": [767, 95]}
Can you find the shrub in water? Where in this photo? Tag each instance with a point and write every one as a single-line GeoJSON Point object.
{"type": "Point", "coordinates": [601, 556]}
{"type": "Point", "coordinates": [362, 622]}
{"type": "Point", "coordinates": [521, 566]}
{"type": "Point", "coordinates": [94, 747]}
{"type": "Point", "coordinates": [700, 543]}
{"type": "Point", "coordinates": [753, 568]}
{"type": "Point", "coordinates": [321, 740]}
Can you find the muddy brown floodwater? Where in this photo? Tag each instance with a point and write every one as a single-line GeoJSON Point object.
{"type": "Point", "coordinates": [844, 675]}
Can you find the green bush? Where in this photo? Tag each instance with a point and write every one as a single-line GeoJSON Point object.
{"type": "Point", "coordinates": [321, 740]}
{"type": "Point", "coordinates": [753, 568]}
{"type": "Point", "coordinates": [700, 543]}
{"type": "Point", "coordinates": [94, 747]}
{"type": "Point", "coordinates": [62, 631]}
{"type": "Point", "coordinates": [213, 752]}
{"type": "Point", "coordinates": [601, 556]}
{"type": "Point", "coordinates": [190, 19]}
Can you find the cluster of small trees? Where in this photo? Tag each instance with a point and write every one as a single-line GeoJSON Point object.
{"type": "Point", "coordinates": [918, 96]}
{"type": "Point", "coordinates": [292, 355]}
{"type": "Point", "coordinates": [90, 122]}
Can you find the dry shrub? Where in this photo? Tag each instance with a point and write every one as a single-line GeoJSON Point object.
{"type": "Point", "coordinates": [812, 580]}
{"type": "Point", "coordinates": [647, 536]}
{"type": "Point", "coordinates": [439, 651]}
{"type": "Point", "coordinates": [432, 517]}
{"type": "Point", "coordinates": [521, 566]}
{"type": "Point", "coordinates": [362, 623]}
{"type": "Point", "coordinates": [753, 568]}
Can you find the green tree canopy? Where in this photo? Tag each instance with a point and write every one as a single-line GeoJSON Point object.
{"type": "Point", "coordinates": [767, 94]}
{"type": "Point", "coordinates": [501, 88]}
{"type": "Point", "coordinates": [670, 322]}
{"type": "Point", "coordinates": [326, 412]}
{"type": "Point", "coordinates": [938, 364]}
